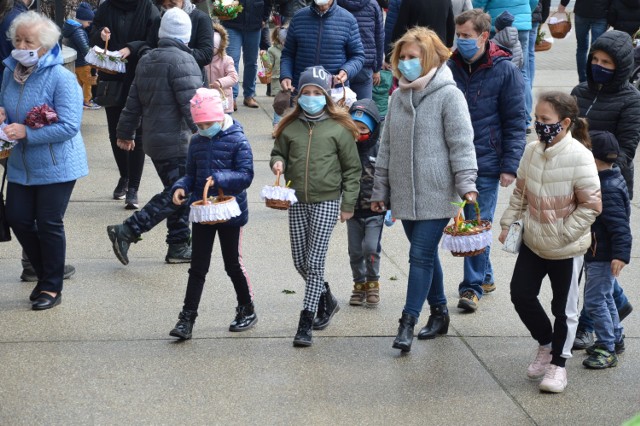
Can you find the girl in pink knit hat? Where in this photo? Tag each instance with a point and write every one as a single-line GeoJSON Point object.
{"type": "Point", "coordinates": [219, 150]}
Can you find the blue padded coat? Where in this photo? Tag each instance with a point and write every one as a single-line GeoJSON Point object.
{"type": "Point", "coordinates": [227, 157]}
{"type": "Point", "coordinates": [54, 153]}
{"type": "Point", "coordinates": [370, 23]}
{"type": "Point", "coordinates": [76, 38]}
{"type": "Point", "coordinates": [521, 9]}
{"type": "Point", "coordinates": [390, 23]}
{"type": "Point", "coordinates": [331, 40]}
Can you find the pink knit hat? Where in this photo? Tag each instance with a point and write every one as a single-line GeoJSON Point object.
{"type": "Point", "coordinates": [206, 106]}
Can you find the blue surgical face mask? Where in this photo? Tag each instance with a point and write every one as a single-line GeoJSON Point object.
{"type": "Point", "coordinates": [211, 131]}
{"type": "Point", "coordinates": [312, 104]}
{"type": "Point", "coordinates": [411, 69]}
{"type": "Point", "coordinates": [468, 47]}
{"type": "Point", "coordinates": [600, 74]}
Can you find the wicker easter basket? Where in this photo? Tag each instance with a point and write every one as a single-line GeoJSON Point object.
{"type": "Point", "coordinates": [226, 11]}
{"type": "Point", "coordinates": [213, 210]}
{"type": "Point", "coordinates": [560, 27]}
{"type": "Point", "coordinates": [278, 197]}
{"type": "Point", "coordinates": [6, 144]}
{"type": "Point", "coordinates": [264, 72]}
{"type": "Point", "coordinates": [465, 238]}
{"type": "Point", "coordinates": [106, 61]}
{"type": "Point", "coordinates": [5, 153]}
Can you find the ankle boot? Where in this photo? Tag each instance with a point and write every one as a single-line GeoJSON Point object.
{"type": "Point", "coordinates": [327, 307]}
{"type": "Point", "coordinates": [405, 332]}
{"type": "Point", "coordinates": [372, 293]}
{"type": "Point", "coordinates": [303, 336]}
{"type": "Point", "coordinates": [358, 294]}
{"type": "Point", "coordinates": [245, 318]}
{"type": "Point", "coordinates": [438, 323]}
{"type": "Point", "coordinates": [184, 326]}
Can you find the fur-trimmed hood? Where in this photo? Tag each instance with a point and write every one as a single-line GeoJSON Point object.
{"type": "Point", "coordinates": [224, 39]}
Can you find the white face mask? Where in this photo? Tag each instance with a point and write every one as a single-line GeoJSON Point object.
{"type": "Point", "coordinates": [27, 58]}
{"type": "Point", "coordinates": [321, 2]}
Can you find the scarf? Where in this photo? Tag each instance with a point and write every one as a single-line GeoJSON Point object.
{"type": "Point", "coordinates": [22, 73]}
{"type": "Point", "coordinates": [419, 83]}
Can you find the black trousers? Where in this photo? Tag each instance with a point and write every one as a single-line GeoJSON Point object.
{"type": "Point", "coordinates": [526, 282]}
{"type": "Point", "coordinates": [130, 163]}
{"type": "Point", "coordinates": [202, 240]}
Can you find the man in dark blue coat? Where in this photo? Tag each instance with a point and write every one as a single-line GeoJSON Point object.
{"type": "Point", "coordinates": [494, 89]}
{"type": "Point", "coordinates": [322, 34]}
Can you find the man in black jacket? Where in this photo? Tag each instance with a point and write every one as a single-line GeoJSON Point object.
{"type": "Point", "coordinates": [435, 14]}
{"type": "Point", "coordinates": [165, 81]}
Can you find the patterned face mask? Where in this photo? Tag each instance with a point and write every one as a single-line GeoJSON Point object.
{"type": "Point", "coordinates": [547, 132]}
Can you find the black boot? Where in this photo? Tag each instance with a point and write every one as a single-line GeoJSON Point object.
{"type": "Point", "coordinates": [184, 326]}
{"type": "Point", "coordinates": [303, 336]}
{"type": "Point", "coordinates": [405, 332]}
{"type": "Point", "coordinates": [268, 89]}
{"type": "Point", "coordinates": [438, 323]}
{"type": "Point", "coordinates": [327, 307]}
{"type": "Point", "coordinates": [245, 318]}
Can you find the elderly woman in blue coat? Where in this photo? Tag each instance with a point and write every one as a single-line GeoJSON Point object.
{"type": "Point", "coordinates": [44, 165]}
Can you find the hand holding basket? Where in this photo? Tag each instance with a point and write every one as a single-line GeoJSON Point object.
{"type": "Point", "coordinates": [214, 210]}
{"type": "Point", "coordinates": [278, 197]}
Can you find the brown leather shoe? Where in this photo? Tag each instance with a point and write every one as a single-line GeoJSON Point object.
{"type": "Point", "coordinates": [235, 105]}
{"type": "Point", "coordinates": [250, 102]}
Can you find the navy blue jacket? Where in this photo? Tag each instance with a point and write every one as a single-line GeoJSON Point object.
{"type": "Point", "coordinates": [76, 38]}
{"type": "Point", "coordinates": [611, 233]}
{"type": "Point", "coordinates": [331, 40]}
{"type": "Point", "coordinates": [370, 23]}
{"type": "Point", "coordinates": [6, 46]}
{"type": "Point", "coordinates": [495, 95]}
{"type": "Point", "coordinates": [227, 157]}
{"type": "Point", "coordinates": [390, 23]}
{"type": "Point", "coordinates": [253, 14]}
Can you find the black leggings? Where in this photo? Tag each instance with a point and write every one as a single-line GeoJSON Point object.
{"type": "Point", "coordinates": [130, 163]}
{"type": "Point", "coordinates": [202, 240]}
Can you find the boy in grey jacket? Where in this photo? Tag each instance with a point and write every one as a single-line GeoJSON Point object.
{"type": "Point", "coordinates": [507, 36]}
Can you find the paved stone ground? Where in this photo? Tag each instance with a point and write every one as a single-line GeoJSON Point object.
{"type": "Point", "coordinates": [104, 356]}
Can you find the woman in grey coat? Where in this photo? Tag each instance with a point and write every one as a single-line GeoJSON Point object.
{"type": "Point", "coordinates": [426, 161]}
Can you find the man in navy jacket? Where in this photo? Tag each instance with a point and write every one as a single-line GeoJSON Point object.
{"type": "Point", "coordinates": [494, 89]}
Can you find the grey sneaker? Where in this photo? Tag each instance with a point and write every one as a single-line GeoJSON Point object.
{"type": "Point", "coordinates": [179, 253]}
{"type": "Point", "coordinates": [583, 340]}
{"type": "Point", "coordinates": [29, 274]}
{"type": "Point", "coordinates": [131, 199]}
{"type": "Point", "coordinates": [121, 238]}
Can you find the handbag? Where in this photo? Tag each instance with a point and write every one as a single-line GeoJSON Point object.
{"type": "Point", "coordinates": [5, 234]}
{"type": "Point", "coordinates": [513, 241]}
{"type": "Point", "coordinates": [109, 93]}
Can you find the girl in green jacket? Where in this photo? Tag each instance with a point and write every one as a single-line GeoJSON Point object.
{"type": "Point", "coordinates": [315, 149]}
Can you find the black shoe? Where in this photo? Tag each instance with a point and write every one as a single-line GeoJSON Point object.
{"type": "Point", "coordinates": [121, 189]}
{"type": "Point", "coordinates": [583, 340]}
{"type": "Point", "coordinates": [184, 326]}
{"type": "Point", "coordinates": [245, 318]}
{"type": "Point", "coordinates": [405, 332]}
{"type": "Point", "coordinates": [178, 253]}
{"type": "Point", "coordinates": [131, 200]}
{"type": "Point", "coordinates": [303, 336]}
{"type": "Point", "coordinates": [269, 89]}
{"type": "Point", "coordinates": [46, 301]}
{"type": "Point", "coordinates": [327, 308]}
{"type": "Point", "coordinates": [121, 238]}
{"type": "Point", "coordinates": [29, 274]}
{"type": "Point", "coordinates": [625, 311]}
{"type": "Point", "coordinates": [35, 293]}
{"type": "Point", "coordinates": [438, 323]}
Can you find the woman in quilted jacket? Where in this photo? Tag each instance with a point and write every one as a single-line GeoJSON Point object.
{"type": "Point", "coordinates": [44, 165]}
{"type": "Point", "coordinates": [557, 196]}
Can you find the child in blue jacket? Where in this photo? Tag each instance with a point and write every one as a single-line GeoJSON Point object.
{"type": "Point", "coordinates": [220, 150]}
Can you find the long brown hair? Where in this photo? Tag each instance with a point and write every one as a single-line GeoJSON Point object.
{"type": "Point", "coordinates": [332, 109]}
{"type": "Point", "coordinates": [566, 107]}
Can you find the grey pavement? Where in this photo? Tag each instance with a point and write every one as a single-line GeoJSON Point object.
{"type": "Point", "coordinates": [104, 355]}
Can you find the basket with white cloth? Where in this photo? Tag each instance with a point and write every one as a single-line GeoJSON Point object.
{"type": "Point", "coordinates": [465, 238]}
{"type": "Point", "coordinates": [278, 197]}
{"type": "Point", "coordinates": [213, 210]}
{"type": "Point", "coordinates": [105, 60]}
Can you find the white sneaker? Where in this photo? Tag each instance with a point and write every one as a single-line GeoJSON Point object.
{"type": "Point", "coordinates": [539, 365]}
{"type": "Point", "coordinates": [555, 379]}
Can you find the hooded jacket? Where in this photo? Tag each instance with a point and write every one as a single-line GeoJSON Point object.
{"type": "Point", "coordinates": [76, 38]}
{"type": "Point", "coordinates": [166, 80]}
{"type": "Point", "coordinates": [624, 15]}
{"type": "Point", "coordinates": [222, 68]}
{"type": "Point", "coordinates": [226, 157]}
{"type": "Point", "coordinates": [508, 37]}
{"type": "Point", "coordinates": [368, 151]}
{"type": "Point", "coordinates": [561, 201]}
{"type": "Point", "coordinates": [370, 23]}
{"type": "Point", "coordinates": [495, 97]}
{"type": "Point", "coordinates": [54, 153]}
{"type": "Point", "coordinates": [614, 107]}
{"type": "Point", "coordinates": [330, 39]}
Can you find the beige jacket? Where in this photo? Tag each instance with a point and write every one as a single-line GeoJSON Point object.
{"type": "Point", "coordinates": [562, 198]}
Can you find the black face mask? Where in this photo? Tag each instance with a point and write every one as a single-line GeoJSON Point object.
{"type": "Point", "coordinates": [548, 132]}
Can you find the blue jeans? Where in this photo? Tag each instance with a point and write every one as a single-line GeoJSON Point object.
{"type": "Point", "coordinates": [478, 269]}
{"type": "Point", "coordinates": [583, 26]}
{"type": "Point", "coordinates": [425, 271]}
{"type": "Point", "coordinates": [585, 322]}
{"type": "Point", "coordinates": [598, 300]}
{"type": "Point", "coordinates": [523, 37]}
{"type": "Point", "coordinates": [248, 42]}
{"type": "Point", "coordinates": [531, 65]}
{"type": "Point", "coordinates": [362, 83]}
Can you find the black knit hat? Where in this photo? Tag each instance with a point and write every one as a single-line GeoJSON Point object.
{"type": "Point", "coordinates": [604, 146]}
{"type": "Point", "coordinates": [84, 12]}
{"type": "Point", "coordinates": [505, 19]}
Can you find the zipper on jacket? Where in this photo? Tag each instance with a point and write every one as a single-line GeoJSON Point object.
{"type": "Point", "coordinates": [319, 40]}
{"type": "Point", "coordinates": [53, 155]}
{"type": "Point", "coordinates": [306, 171]}
{"type": "Point", "coordinates": [586, 114]}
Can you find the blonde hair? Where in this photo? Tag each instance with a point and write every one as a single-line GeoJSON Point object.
{"type": "Point", "coordinates": [274, 34]}
{"type": "Point", "coordinates": [434, 52]}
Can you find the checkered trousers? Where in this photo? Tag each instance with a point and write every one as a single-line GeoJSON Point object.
{"type": "Point", "coordinates": [310, 228]}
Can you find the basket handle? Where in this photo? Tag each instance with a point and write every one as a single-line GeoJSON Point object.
{"type": "Point", "coordinates": [459, 217]}
{"type": "Point", "coordinates": [277, 178]}
{"type": "Point", "coordinates": [207, 185]}
{"type": "Point", "coordinates": [565, 13]}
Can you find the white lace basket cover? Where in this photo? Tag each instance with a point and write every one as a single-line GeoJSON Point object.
{"type": "Point", "coordinates": [6, 143]}
{"type": "Point", "coordinates": [343, 96]}
{"type": "Point", "coordinates": [278, 193]}
{"type": "Point", "coordinates": [470, 242]}
{"type": "Point", "coordinates": [214, 209]}
{"type": "Point", "coordinates": [106, 60]}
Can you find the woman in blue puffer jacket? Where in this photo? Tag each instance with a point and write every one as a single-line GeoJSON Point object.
{"type": "Point", "coordinates": [44, 165]}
